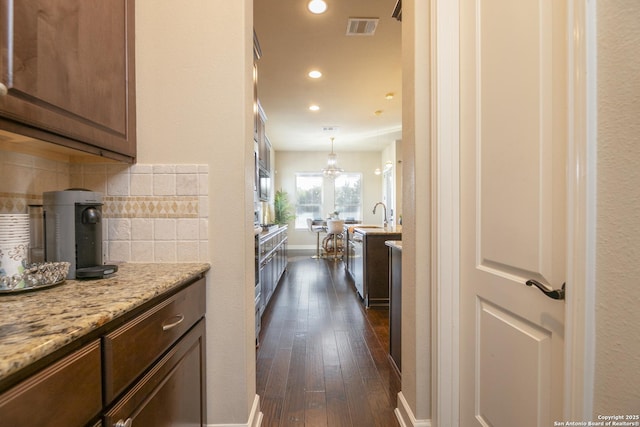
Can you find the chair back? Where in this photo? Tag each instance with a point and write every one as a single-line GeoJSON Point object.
{"type": "Point", "coordinates": [310, 224]}
{"type": "Point", "coordinates": [335, 226]}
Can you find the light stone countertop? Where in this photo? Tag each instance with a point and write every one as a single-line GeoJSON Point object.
{"type": "Point", "coordinates": [37, 323]}
{"type": "Point", "coordinates": [396, 244]}
{"type": "Point", "coordinates": [372, 230]}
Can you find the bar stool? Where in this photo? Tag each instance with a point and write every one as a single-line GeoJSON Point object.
{"type": "Point", "coordinates": [315, 229]}
{"type": "Point", "coordinates": [335, 228]}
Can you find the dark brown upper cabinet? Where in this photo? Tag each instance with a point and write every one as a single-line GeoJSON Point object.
{"type": "Point", "coordinates": [67, 74]}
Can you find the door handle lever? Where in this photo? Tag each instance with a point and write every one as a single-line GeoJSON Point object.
{"type": "Point", "coordinates": [548, 291]}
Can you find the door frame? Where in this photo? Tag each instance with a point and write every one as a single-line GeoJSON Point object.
{"type": "Point", "coordinates": [581, 209]}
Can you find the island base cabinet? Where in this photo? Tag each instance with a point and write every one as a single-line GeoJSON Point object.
{"type": "Point", "coordinates": [67, 393]}
{"type": "Point", "coordinates": [372, 269]}
{"type": "Point", "coordinates": [172, 393]}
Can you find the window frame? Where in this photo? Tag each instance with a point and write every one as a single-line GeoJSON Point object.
{"type": "Point", "coordinates": [359, 210]}
{"type": "Point", "coordinates": [303, 225]}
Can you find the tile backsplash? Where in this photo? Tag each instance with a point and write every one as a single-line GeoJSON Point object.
{"type": "Point", "coordinates": [151, 213]}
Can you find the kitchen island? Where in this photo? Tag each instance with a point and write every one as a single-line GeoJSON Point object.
{"type": "Point", "coordinates": [367, 261]}
{"type": "Point", "coordinates": [104, 338]}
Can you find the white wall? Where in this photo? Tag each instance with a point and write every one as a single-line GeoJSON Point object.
{"type": "Point", "coordinates": [617, 374]}
{"type": "Point", "coordinates": [414, 404]}
{"type": "Point", "coordinates": [288, 163]}
{"type": "Point", "coordinates": [194, 105]}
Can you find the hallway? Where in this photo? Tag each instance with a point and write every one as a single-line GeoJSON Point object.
{"type": "Point", "coordinates": [323, 359]}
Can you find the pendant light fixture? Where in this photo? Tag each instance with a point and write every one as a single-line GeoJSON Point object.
{"type": "Point", "coordinates": [332, 170]}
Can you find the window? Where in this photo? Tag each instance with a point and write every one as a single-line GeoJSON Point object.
{"type": "Point", "coordinates": [348, 195]}
{"type": "Point", "coordinates": [308, 198]}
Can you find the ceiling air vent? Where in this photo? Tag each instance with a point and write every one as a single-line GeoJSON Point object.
{"type": "Point", "coordinates": [329, 128]}
{"type": "Point", "coordinates": [397, 11]}
{"type": "Point", "coordinates": [361, 26]}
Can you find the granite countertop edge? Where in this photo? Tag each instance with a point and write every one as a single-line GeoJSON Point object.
{"type": "Point", "coordinates": [396, 244]}
{"type": "Point", "coordinates": [35, 324]}
{"type": "Point", "coordinates": [378, 231]}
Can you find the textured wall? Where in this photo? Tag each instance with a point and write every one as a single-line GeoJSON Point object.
{"type": "Point", "coordinates": [194, 96]}
{"type": "Point", "coordinates": [617, 375]}
{"type": "Point", "coordinates": [416, 218]}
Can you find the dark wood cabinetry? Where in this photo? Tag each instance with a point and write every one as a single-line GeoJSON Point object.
{"type": "Point", "coordinates": [146, 368]}
{"type": "Point", "coordinates": [259, 116]}
{"type": "Point", "coordinates": [368, 264]}
{"type": "Point", "coordinates": [395, 303]}
{"type": "Point", "coordinates": [264, 146]}
{"type": "Point", "coordinates": [67, 74]}
{"type": "Point", "coordinates": [67, 393]}
{"type": "Point", "coordinates": [273, 263]}
{"type": "Point", "coordinates": [172, 392]}
{"type": "Point", "coordinates": [132, 348]}
{"type": "Point", "coordinates": [165, 347]}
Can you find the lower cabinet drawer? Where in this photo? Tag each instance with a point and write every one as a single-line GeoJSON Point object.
{"type": "Point", "coordinates": [132, 348]}
{"type": "Point", "coordinates": [67, 393]}
{"type": "Point", "coordinates": [172, 393]}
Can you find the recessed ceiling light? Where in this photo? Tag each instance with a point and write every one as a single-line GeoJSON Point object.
{"type": "Point", "coordinates": [377, 112]}
{"type": "Point", "coordinates": [389, 95]}
{"type": "Point", "coordinates": [314, 107]}
{"type": "Point", "coordinates": [315, 74]}
{"type": "Point", "coordinates": [317, 6]}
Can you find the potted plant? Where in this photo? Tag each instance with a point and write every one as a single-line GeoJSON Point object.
{"type": "Point", "coordinates": [282, 208]}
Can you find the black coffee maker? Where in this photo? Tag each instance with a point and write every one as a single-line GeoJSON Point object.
{"type": "Point", "coordinates": [73, 232]}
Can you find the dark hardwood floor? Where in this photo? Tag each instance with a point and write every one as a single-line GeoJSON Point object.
{"type": "Point", "coordinates": [322, 358]}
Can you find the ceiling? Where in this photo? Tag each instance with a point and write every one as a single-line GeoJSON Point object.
{"type": "Point", "coordinates": [358, 71]}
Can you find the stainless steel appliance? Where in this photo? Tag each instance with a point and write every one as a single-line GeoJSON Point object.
{"type": "Point", "coordinates": [73, 232]}
{"type": "Point", "coordinates": [358, 263]}
{"type": "Point", "coordinates": [264, 184]}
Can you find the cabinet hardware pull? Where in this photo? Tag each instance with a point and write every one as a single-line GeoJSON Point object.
{"type": "Point", "coordinates": [547, 290]}
{"type": "Point", "coordinates": [179, 318]}
{"type": "Point", "coordinates": [3, 89]}
{"type": "Point", "coordinates": [123, 423]}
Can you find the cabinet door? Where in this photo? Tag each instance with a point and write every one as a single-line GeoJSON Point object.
{"type": "Point", "coordinates": [263, 289]}
{"type": "Point", "coordinates": [68, 66]}
{"type": "Point", "coordinates": [172, 393]}
{"type": "Point", "coordinates": [395, 306]}
{"type": "Point", "coordinates": [133, 347]}
{"type": "Point", "coordinates": [67, 393]}
{"type": "Point", "coordinates": [376, 269]}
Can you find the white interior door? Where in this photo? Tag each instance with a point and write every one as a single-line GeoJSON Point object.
{"type": "Point", "coordinates": [512, 210]}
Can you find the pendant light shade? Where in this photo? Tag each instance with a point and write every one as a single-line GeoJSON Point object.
{"type": "Point", "coordinates": [332, 170]}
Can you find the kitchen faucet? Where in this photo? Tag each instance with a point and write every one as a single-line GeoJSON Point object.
{"type": "Point", "coordinates": [385, 222]}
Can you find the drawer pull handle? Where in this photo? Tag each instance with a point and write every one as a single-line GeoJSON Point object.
{"type": "Point", "coordinates": [179, 318]}
{"type": "Point", "coordinates": [123, 423]}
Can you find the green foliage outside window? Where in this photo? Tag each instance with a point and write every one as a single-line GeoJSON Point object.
{"type": "Point", "coordinates": [282, 208]}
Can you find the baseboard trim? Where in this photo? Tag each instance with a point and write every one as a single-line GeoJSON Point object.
{"type": "Point", "coordinates": [255, 417]}
{"type": "Point", "coordinates": [405, 416]}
